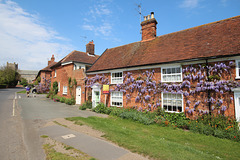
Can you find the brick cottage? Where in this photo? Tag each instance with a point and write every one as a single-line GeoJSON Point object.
{"type": "Point", "coordinates": [195, 71]}
{"type": "Point", "coordinates": [45, 75]}
{"type": "Point", "coordinates": [69, 73]}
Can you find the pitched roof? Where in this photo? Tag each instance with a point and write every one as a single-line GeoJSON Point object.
{"type": "Point", "coordinates": [77, 56]}
{"type": "Point", "coordinates": [217, 39]}
{"type": "Point", "coordinates": [48, 68]}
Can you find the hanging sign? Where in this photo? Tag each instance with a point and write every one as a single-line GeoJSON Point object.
{"type": "Point", "coordinates": [105, 89]}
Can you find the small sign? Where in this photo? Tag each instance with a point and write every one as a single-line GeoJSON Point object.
{"type": "Point", "coordinates": [105, 89]}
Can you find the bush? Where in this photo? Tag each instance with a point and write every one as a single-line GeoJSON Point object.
{"type": "Point", "coordinates": [62, 99]}
{"type": "Point", "coordinates": [70, 101]}
{"type": "Point", "coordinates": [100, 108]}
{"type": "Point", "coordinates": [87, 104]}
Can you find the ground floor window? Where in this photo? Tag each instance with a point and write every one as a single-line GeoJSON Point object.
{"type": "Point", "coordinates": [117, 99]}
{"type": "Point", "coordinates": [172, 102]}
{"type": "Point", "coordinates": [64, 89]}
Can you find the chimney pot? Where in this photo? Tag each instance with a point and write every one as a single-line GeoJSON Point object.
{"type": "Point", "coordinates": [148, 17]}
{"type": "Point", "coordinates": [152, 15]}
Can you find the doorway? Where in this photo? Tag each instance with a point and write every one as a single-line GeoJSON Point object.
{"type": "Point", "coordinates": [78, 95]}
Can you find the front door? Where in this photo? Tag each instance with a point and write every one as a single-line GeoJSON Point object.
{"type": "Point", "coordinates": [78, 95]}
{"type": "Point", "coordinates": [96, 98]}
{"type": "Point", "coordinates": [237, 105]}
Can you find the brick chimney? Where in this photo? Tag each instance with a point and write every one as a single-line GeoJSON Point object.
{"type": "Point", "coordinates": [90, 48]}
{"type": "Point", "coordinates": [149, 27]}
{"type": "Point", "coordinates": [52, 60]}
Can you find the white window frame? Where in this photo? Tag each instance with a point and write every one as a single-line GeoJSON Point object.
{"type": "Point", "coordinates": [58, 86]}
{"type": "Point", "coordinates": [171, 74]}
{"type": "Point", "coordinates": [120, 97]}
{"type": "Point", "coordinates": [65, 90]}
{"type": "Point", "coordinates": [237, 69]}
{"type": "Point", "coordinates": [116, 80]}
{"type": "Point", "coordinates": [171, 99]}
{"type": "Point", "coordinates": [55, 73]}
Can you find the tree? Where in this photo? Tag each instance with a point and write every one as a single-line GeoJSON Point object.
{"type": "Point", "coordinates": [24, 82]}
{"type": "Point", "coordinates": [8, 76]}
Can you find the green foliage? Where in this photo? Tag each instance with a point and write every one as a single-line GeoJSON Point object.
{"type": "Point", "coordinates": [55, 87]}
{"type": "Point", "coordinates": [24, 82]}
{"type": "Point", "coordinates": [38, 80]}
{"type": "Point", "coordinates": [218, 126]}
{"type": "Point", "coordinates": [70, 101]}
{"type": "Point", "coordinates": [100, 108]}
{"type": "Point", "coordinates": [9, 77]}
{"type": "Point", "coordinates": [137, 116]}
{"type": "Point", "coordinates": [49, 94]}
{"type": "Point", "coordinates": [62, 99]}
{"type": "Point", "coordinates": [87, 104]}
{"type": "Point", "coordinates": [163, 143]}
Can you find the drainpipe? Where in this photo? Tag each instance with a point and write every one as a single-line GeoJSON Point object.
{"type": "Point", "coordinates": [208, 91]}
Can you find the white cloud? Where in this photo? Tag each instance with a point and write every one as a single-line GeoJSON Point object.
{"type": "Point", "coordinates": [189, 4]}
{"type": "Point", "coordinates": [98, 20]}
{"type": "Point", "coordinates": [104, 29]}
{"type": "Point", "coordinates": [25, 40]}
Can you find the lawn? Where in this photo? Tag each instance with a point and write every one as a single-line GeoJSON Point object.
{"type": "Point", "coordinates": [162, 142]}
{"type": "Point", "coordinates": [23, 91]}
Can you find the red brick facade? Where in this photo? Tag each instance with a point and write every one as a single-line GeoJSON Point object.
{"type": "Point", "coordinates": [63, 73]}
{"type": "Point", "coordinates": [202, 96]}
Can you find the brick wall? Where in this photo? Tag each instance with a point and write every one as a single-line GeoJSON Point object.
{"type": "Point", "coordinates": [63, 74]}
{"type": "Point", "coordinates": [200, 96]}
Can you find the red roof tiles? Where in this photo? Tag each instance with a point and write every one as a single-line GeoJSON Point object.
{"type": "Point", "coordinates": [77, 56]}
{"type": "Point", "coordinates": [221, 38]}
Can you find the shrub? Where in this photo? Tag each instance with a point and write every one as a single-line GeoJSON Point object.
{"type": "Point", "coordinates": [87, 104]}
{"type": "Point", "coordinates": [70, 101]}
{"type": "Point", "coordinates": [62, 99]}
{"type": "Point", "coordinates": [100, 108]}
{"type": "Point", "coordinates": [55, 87]}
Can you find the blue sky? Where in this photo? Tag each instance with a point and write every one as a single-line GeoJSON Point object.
{"type": "Point", "coordinates": [32, 30]}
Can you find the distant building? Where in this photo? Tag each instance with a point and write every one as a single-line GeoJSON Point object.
{"type": "Point", "coordinates": [13, 66]}
{"type": "Point", "coordinates": [29, 75]}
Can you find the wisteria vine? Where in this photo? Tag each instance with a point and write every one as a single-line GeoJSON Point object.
{"type": "Point", "coordinates": [197, 80]}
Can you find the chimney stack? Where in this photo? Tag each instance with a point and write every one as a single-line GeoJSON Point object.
{"type": "Point", "coordinates": [149, 27]}
{"type": "Point", "coordinates": [52, 60]}
{"type": "Point", "coordinates": [90, 48]}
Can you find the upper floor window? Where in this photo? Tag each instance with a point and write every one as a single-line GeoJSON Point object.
{"type": "Point", "coordinates": [117, 99]}
{"type": "Point", "coordinates": [117, 77]}
{"type": "Point", "coordinates": [55, 73]}
{"type": "Point", "coordinates": [237, 68]}
{"type": "Point", "coordinates": [171, 74]}
{"type": "Point", "coordinates": [172, 102]}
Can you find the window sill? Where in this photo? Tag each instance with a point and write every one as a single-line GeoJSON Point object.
{"type": "Point", "coordinates": [237, 78]}
{"type": "Point", "coordinates": [64, 93]}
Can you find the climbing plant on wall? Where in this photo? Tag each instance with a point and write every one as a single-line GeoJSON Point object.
{"type": "Point", "coordinates": [209, 81]}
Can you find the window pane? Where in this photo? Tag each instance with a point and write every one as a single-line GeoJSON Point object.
{"type": "Point", "coordinates": [178, 70]}
{"type": "Point", "coordinates": [164, 71]}
{"type": "Point", "coordinates": [164, 78]}
{"type": "Point", "coordinates": [173, 70]}
{"type": "Point", "coordinates": [169, 71]}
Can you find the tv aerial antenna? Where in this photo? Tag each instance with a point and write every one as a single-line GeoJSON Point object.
{"type": "Point", "coordinates": [139, 10]}
{"type": "Point", "coordinates": [84, 39]}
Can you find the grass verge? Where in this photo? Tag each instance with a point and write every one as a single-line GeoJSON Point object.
{"type": "Point", "coordinates": [57, 151]}
{"type": "Point", "coordinates": [162, 142]}
{"type": "Point", "coordinates": [24, 91]}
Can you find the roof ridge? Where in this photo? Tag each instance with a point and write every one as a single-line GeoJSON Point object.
{"type": "Point", "coordinates": [195, 27]}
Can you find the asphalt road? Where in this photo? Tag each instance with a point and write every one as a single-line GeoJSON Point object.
{"type": "Point", "coordinates": [22, 124]}
{"type": "Point", "coordinates": [11, 136]}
